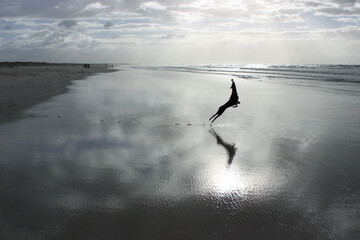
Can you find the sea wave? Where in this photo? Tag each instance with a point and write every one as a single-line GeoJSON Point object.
{"type": "Point", "coordinates": [317, 72]}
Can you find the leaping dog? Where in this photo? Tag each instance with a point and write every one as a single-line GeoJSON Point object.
{"type": "Point", "coordinates": [233, 102]}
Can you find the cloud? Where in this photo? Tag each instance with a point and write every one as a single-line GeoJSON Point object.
{"type": "Point", "coordinates": [152, 6]}
{"type": "Point", "coordinates": [94, 6]}
{"type": "Point", "coordinates": [143, 24]}
{"type": "Point", "coordinates": [176, 10]}
{"type": "Point", "coordinates": [334, 7]}
{"type": "Point", "coordinates": [347, 33]}
{"type": "Point", "coordinates": [345, 2]}
{"type": "Point", "coordinates": [166, 10]}
{"type": "Point", "coordinates": [312, 4]}
{"type": "Point", "coordinates": [154, 10]}
{"type": "Point", "coordinates": [4, 25]}
{"type": "Point", "coordinates": [108, 25]}
{"type": "Point", "coordinates": [172, 36]}
{"type": "Point", "coordinates": [340, 11]}
{"type": "Point", "coordinates": [347, 20]}
{"type": "Point", "coordinates": [68, 23]}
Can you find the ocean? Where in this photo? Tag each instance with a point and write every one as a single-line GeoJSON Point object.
{"type": "Point", "coordinates": [337, 77]}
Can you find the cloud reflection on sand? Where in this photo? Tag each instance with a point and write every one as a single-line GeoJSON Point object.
{"type": "Point", "coordinates": [124, 160]}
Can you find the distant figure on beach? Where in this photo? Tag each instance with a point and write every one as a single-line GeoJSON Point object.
{"type": "Point", "coordinates": [230, 148]}
{"type": "Point", "coordinates": [233, 102]}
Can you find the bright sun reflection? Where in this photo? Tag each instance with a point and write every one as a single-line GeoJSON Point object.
{"type": "Point", "coordinates": [228, 181]}
{"type": "Point", "coordinates": [231, 179]}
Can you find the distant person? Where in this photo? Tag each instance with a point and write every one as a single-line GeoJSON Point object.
{"type": "Point", "coordinates": [233, 102]}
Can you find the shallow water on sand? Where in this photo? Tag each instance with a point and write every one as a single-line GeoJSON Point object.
{"type": "Point", "coordinates": [131, 155]}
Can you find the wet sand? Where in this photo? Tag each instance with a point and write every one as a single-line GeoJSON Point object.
{"type": "Point", "coordinates": [131, 155]}
{"type": "Point", "coordinates": [23, 85]}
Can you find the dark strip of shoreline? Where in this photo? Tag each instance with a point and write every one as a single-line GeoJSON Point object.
{"type": "Point", "coordinates": [24, 84]}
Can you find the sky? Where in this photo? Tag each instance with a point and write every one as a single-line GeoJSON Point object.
{"type": "Point", "coordinates": [181, 31]}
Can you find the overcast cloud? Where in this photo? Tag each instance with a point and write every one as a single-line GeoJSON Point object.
{"type": "Point", "coordinates": [172, 31]}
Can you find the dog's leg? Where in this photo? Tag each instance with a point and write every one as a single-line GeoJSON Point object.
{"type": "Point", "coordinates": [215, 118]}
{"type": "Point", "coordinates": [212, 116]}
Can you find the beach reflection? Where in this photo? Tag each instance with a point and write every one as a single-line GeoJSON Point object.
{"type": "Point", "coordinates": [230, 148]}
{"type": "Point", "coordinates": [113, 159]}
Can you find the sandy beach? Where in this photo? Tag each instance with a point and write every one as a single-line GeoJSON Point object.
{"type": "Point", "coordinates": [24, 84]}
{"type": "Point", "coordinates": [197, 120]}
{"type": "Point", "coordinates": [131, 155]}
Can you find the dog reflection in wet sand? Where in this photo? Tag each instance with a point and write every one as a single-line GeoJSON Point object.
{"type": "Point", "coordinates": [230, 148]}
